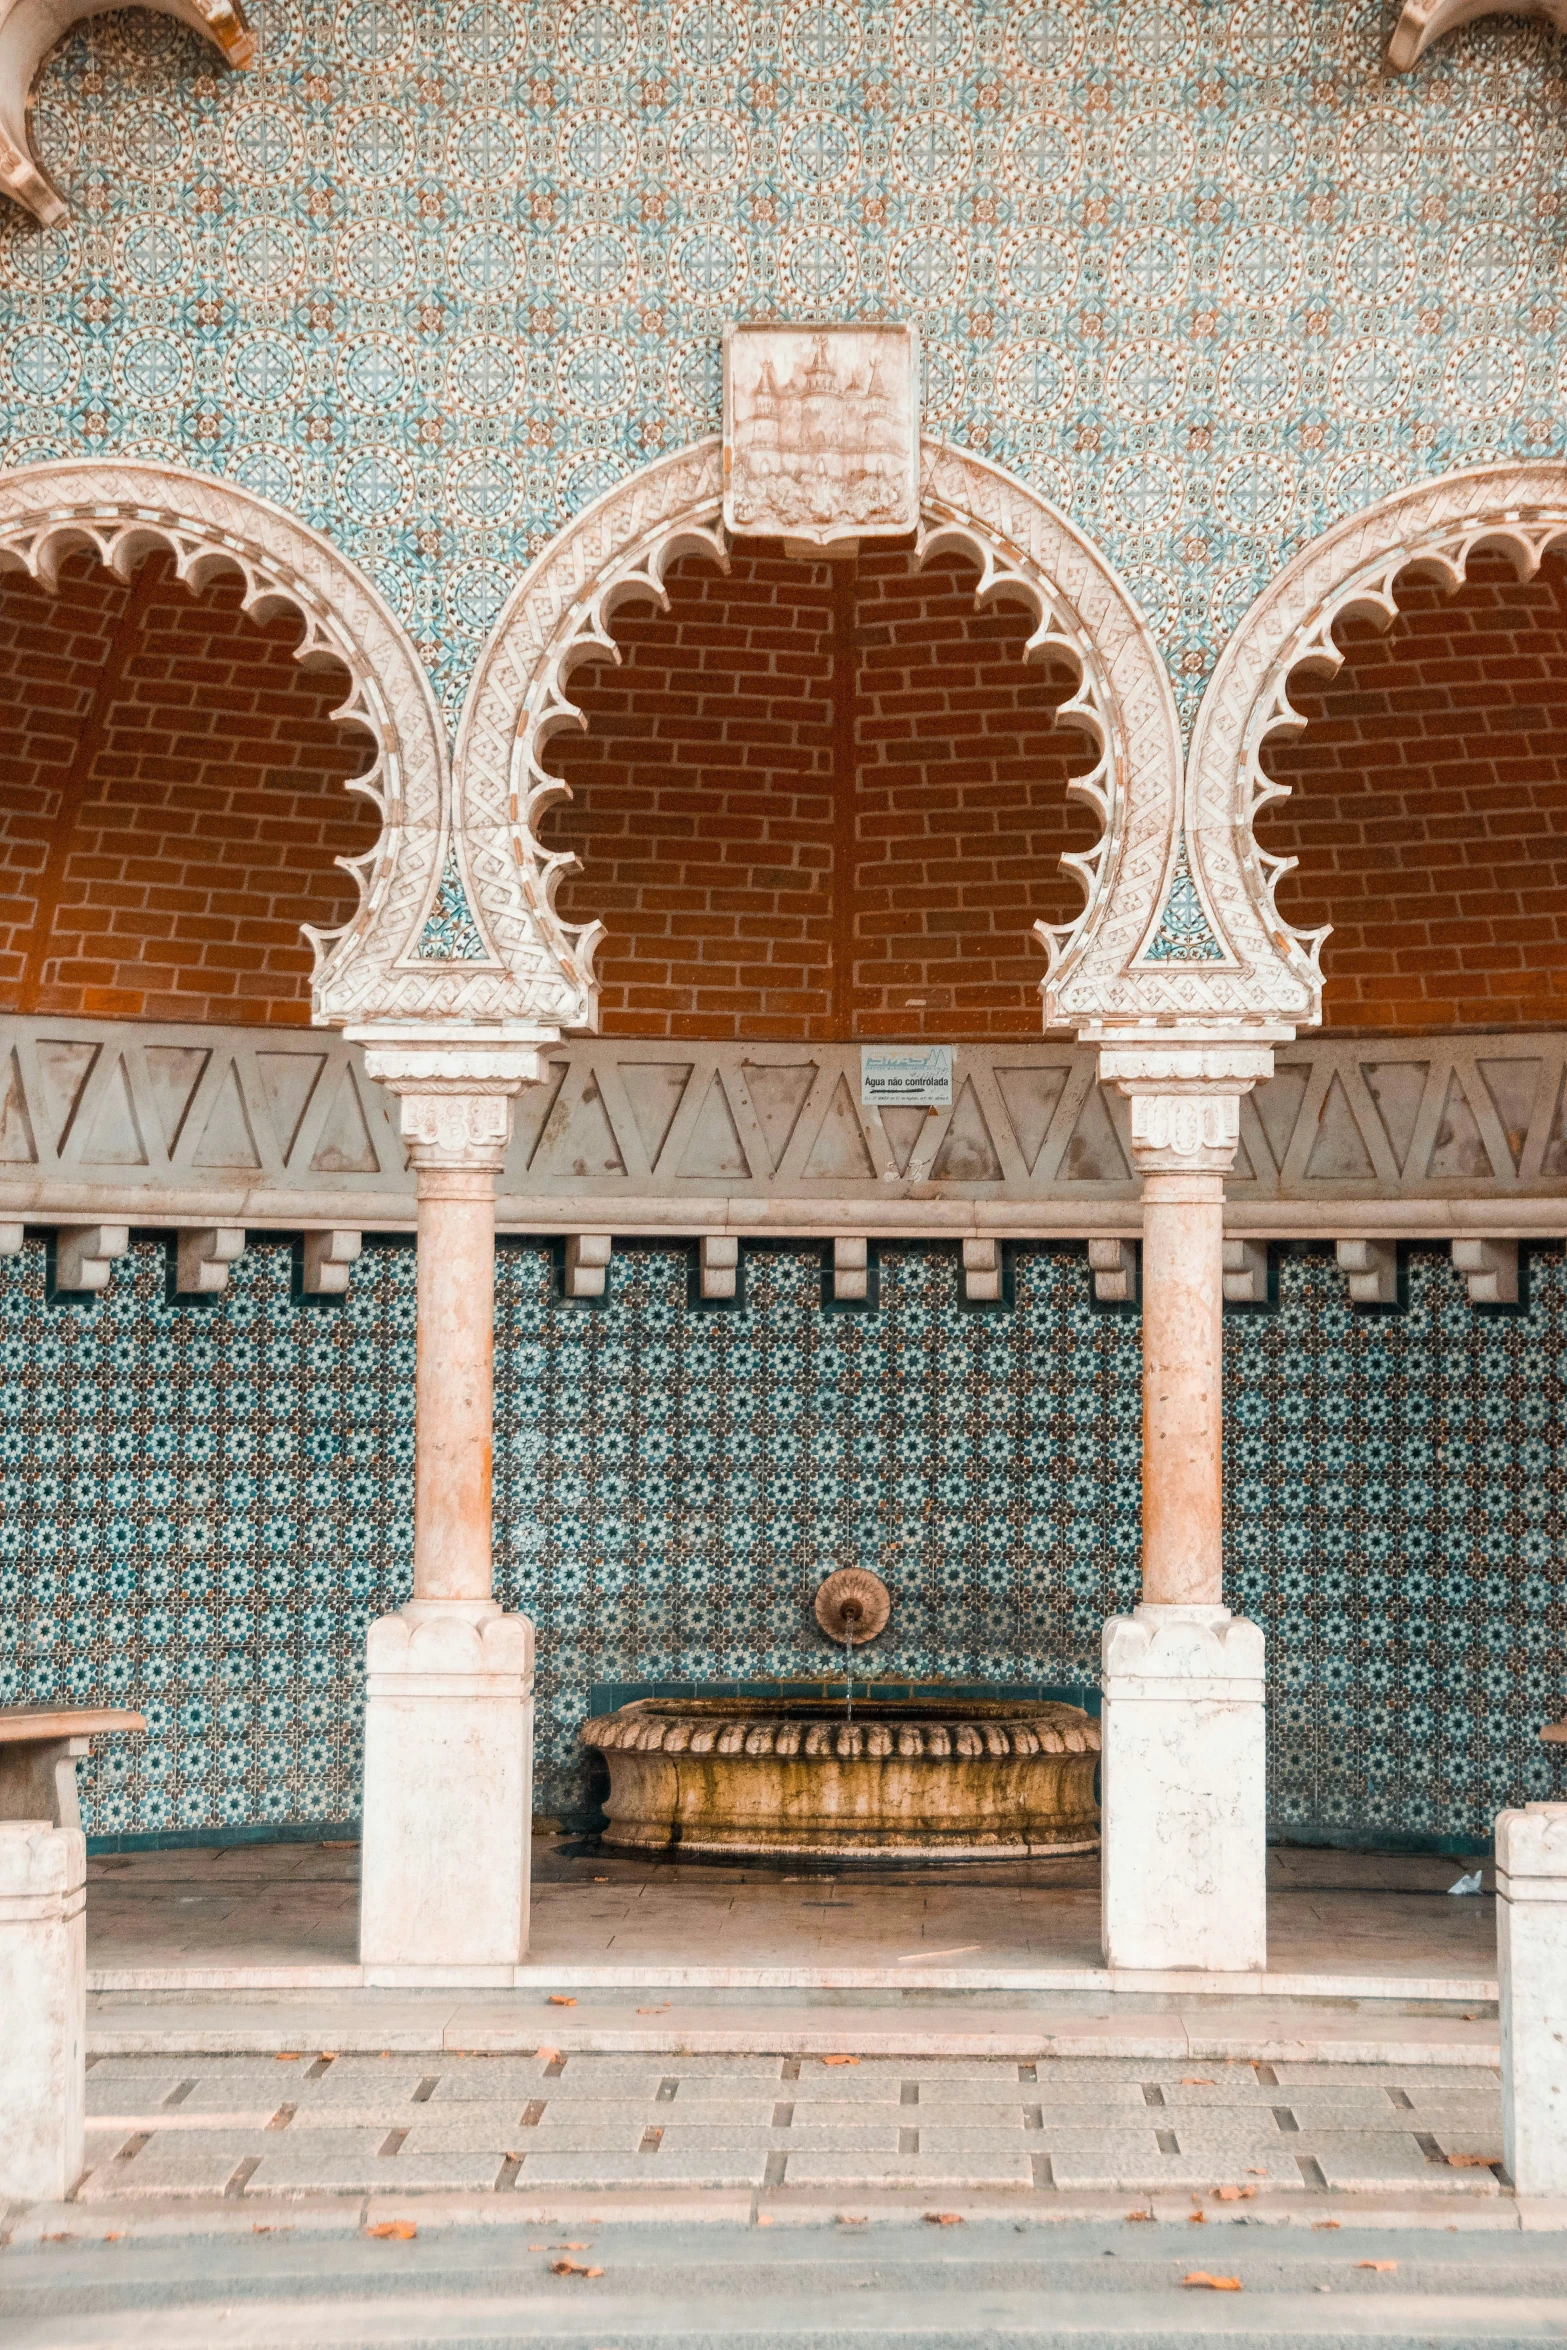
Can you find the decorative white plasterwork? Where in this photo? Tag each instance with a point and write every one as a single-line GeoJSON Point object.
{"type": "Point", "coordinates": [1428, 532]}
{"type": "Point", "coordinates": [1423, 21]}
{"type": "Point", "coordinates": [29, 29]}
{"type": "Point", "coordinates": [123, 510]}
{"type": "Point", "coordinates": [621, 547]}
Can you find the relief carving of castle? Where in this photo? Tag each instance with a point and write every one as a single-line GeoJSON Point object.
{"type": "Point", "coordinates": [821, 432]}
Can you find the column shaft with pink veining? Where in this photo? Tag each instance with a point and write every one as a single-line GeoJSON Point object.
{"type": "Point", "coordinates": [454, 1383]}
{"type": "Point", "coordinates": [1183, 1388]}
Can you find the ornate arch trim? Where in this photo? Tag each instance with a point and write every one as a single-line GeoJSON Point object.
{"type": "Point", "coordinates": [122, 512]}
{"type": "Point", "coordinates": [1423, 22]}
{"type": "Point", "coordinates": [1428, 532]}
{"type": "Point", "coordinates": [29, 29]}
{"type": "Point", "coordinates": [620, 548]}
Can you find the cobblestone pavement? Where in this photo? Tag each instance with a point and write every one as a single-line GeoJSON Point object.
{"type": "Point", "coordinates": [318, 2123]}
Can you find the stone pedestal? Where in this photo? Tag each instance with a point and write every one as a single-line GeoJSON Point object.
{"type": "Point", "coordinates": [1531, 1957]}
{"type": "Point", "coordinates": [447, 1796]}
{"type": "Point", "coordinates": [1183, 1791]}
{"type": "Point", "coordinates": [448, 1791]}
{"type": "Point", "coordinates": [43, 1999]}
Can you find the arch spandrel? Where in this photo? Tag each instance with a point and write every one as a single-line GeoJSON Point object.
{"type": "Point", "coordinates": [621, 546]}
{"type": "Point", "coordinates": [29, 29]}
{"type": "Point", "coordinates": [1352, 571]}
{"type": "Point", "coordinates": [122, 511]}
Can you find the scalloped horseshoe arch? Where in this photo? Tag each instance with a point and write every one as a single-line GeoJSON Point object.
{"type": "Point", "coordinates": [29, 29]}
{"type": "Point", "coordinates": [122, 511]}
{"type": "Point", "coordinates": [621, 546]}
{"type": "Point", "coordinates": [1353, 570]}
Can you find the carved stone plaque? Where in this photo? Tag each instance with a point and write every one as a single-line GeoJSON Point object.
{"type": "Point", "coordinates": [821, 431]}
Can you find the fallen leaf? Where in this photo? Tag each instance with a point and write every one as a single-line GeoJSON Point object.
{"type": "Point", "coordinates": [601, 1880]}
{"type": "Point", "coordinates": [764, 2219]}
{"type": "Point", "coordinates": [1472, 2161]}
{"type": "Point", "coordinates": [115, 2236]}
{"type": "Point", "coordinates": [286, 2056]}
{"type": "Point", "coordinates": [1320, 2224]}
{"type": "Point", "coordinates": [584, 2244]}
{"type": "Point", "coordinates": [1382, 2267]}
{"type": "Point", "coordinates": [547, 2055]}
{"type": "Point", "coordinates": [943, 2219]}
{"type": "Point", "coordinates": [1234, 2194]}
{"type": "Point", "coordinates": [1200, 2276]}
{"type": "Point", "coordinates": [1195, 2081]}
{"type": "Point", "coordinates": [65, 2239]}
{"type": "Point", "coordinates": [846, 2219]}
{"type": "Point", "coordinates": [664, 2010]}
{"type": "Point", "coordinates": [538, 2247]}
{"type": "Point", "coordinates": [329, 2056]}
{"type": "Point", "coordinates": [1139, 2215]}
{"type": "Point", "coordinates": [384, 2053]}
{"type": "Point", "coordinates": [573, 2268]}
{"type": "Point", "coordinates": [1468, 2018]}
{"type": "Point", "coordinates": [840, 2060]}
{"type": "Point", "coordinates": [559, 1999]}
{"type": "Point", "coordinates": [403, 2230]}
{"type": "Point", "coordinates": [1197, 2219]}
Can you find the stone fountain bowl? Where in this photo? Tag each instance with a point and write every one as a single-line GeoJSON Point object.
{"type": "Point", "coordinates": [908, 1778]}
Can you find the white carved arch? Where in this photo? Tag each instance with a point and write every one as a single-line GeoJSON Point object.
{"type": "Point", "coordinates": [1429, 532]}
{"type": "Point", "coordinates": [29, 29]}
{"type": "Point", "coordinates": [124, 510]}
{"type": "Point", "coordinates": [621, 547]}
{"type": "Point", "coordinates": [1421, 22]}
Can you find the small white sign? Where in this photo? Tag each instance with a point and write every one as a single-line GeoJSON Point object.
{"type": "Point", "coordinates": [915, 1073]}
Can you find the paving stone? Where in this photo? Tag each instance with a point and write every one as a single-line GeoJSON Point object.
{"type": "Point", "coordinates": [1468, 2138]}
{"type": "Point", "coordinates": [350, 2162]}
{"type": "Point", "coordinates": [746, 2072]}
{"type": "Point", "coordinates": [1375, 2158]}
{"type": "Point", "coordinates": [486, 2078]}
{"type": "Point", "coordinates": [1085, 2137]}
{"type": "Point", "coordinates": [1369, 2100]}
{"type": "Point", "coordinates": [1109, 2168]}
{"type": "Point", "coordinates": [114, 2088]}
{"type": "Point", "coordinates": [596, 2087]}
{"type": "Point", "coordinates": [937, 2139]}
{"type": "Point", "coordinates": [823, 2168]}
{"type": "Point", "coordinates": [1115, 2097]}
{"type": "Point", "coordinates": [643, 2170]}
{"type": "Point", "coordinates": [701, 2137]}
{"type": "Point", "coordinates": [1209, 2134]}
{"type": "Point", "coordinates": [1347, 2114]}
{"type": "Point", "coordinates": [177, 2162]}
{"type": "Point", "coordinates": [468, 2128]}
{"type": "Point", "coordinates": [764, 2095]}
{"type": "Point", "coordinates": [1414, 2079]}
{"type": "Point", "coordinates": [103, 2145]}
{"type": "Point", "coordinates": [824, 2112]}
{"type": "Point", "coordinates": [612, 2137]}
{"type": "Point", "coordinates": [973, 2113]}
{"type": "Point", "coordinates": [1238, 2096]}
{"type": "Point", "coordinates": [246, 2103]}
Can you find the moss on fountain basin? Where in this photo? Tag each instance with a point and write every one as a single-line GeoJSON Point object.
{"type": "Point", "coordinates": [907, 1777]}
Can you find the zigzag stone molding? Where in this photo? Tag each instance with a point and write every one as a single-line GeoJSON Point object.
{"type": "Point", "coordinates": [124, 509]}
{"type": "Point", "coordinates": [620, 548]}
{"type": "Point", "coordinates": [1430, 532]}
{"type": "Point", "coordinates": [29, 29]}
{"type": "Point", "coordinates": [120, 1122]}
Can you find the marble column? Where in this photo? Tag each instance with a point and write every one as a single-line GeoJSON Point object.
{"type": "Point", "coordinates": [1531, 1965]}
{"type": "Point", "coordinates": [448, 1778]}
{"type": "Point", "coordinates": [1183, 1777]}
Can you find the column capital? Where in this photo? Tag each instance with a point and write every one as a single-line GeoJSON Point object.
{"type": "Point", "coordinates": [1186, 1099]}
{"type": "Point", "coordinates": [454, 1086]}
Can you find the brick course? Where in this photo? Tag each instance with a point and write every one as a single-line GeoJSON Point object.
{"type": "Point", "coordinates": [765, 870]}
{"type": "Point", "coordinates": [173, 805]}
{"type": "Point", "coordinates": [1429, 808]}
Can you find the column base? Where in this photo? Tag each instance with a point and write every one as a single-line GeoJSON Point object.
{"type": "Point", "coordinates": [43, 1999]}
{"type": "Point", "coordinates": [448, 1795]}
{"type": "Point", "coordinates": [1531, 1959]}
{"type": "Point", "coordinates": [1184, 1791]}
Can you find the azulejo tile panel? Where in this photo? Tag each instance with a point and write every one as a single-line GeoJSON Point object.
{"type": "Point", "coordinates": [432, 277]}
{"type": "Point", "coordinates": [202, 1506]}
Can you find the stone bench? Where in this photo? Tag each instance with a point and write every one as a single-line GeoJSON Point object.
{"type": "Point", "coordinates": [43, 1944]}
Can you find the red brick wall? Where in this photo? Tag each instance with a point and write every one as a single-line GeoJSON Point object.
{"type": "Point", "coordinates": [173, 802]}
{"type": "Point", "coordinates": [1429, 808]}
{"type": "Point", "coordinates": [820, 799]}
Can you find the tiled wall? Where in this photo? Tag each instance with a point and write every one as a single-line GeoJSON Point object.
{"type": "Point", "coordinates": [1205, 272]}
{"type": "Point", "coordinates": [201, 1507]}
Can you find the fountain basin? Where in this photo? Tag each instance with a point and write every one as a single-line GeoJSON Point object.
{"type": "Point", "coordinates": [736, 1776]}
